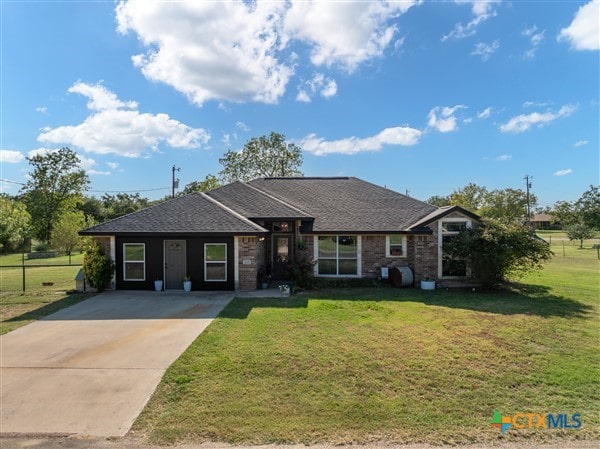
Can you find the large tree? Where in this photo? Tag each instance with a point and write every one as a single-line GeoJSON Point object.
{"type": "Point", "coordinates": [65, 232]}
{"type": "Point", "coordinates": [15, 222]}
{"type": "Point", "coordinates": [264, 156]}
{"type": "Point", "coordinates": [56, 184]}
{"type": "Point", "coordinates": [585, 211]}
{"type": "Point", "coordinates": [210, 182]}
{"type": "Point", "coordinates": [122, 204]}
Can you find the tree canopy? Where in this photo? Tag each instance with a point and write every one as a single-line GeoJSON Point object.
{"type": "Point", "coordinates": [585, 211]}
{"type": "Point", "coordinates": [15, 222]}
{"type": "Point", "coordinates": [210, 182]}
{"type": "Point", "coordinates": [264, 156]}
{"type": "Point", "coordinates": [56, 184]}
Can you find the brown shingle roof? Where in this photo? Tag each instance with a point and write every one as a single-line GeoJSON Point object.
{"type": "Point", "coordinates": [195, 213]}
{"type": "Point", "coordinates": [346, 204]}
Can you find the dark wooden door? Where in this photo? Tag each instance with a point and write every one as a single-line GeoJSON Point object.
{"type": "Point", "coordinates": [282, 253]}
{"type": "Point", "coordinates": [175, 265]}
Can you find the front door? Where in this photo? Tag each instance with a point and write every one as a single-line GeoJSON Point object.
{"type": "Point", "coordinates": [175, 268]}
{"type": "Point", "coordinates": [282, 252]}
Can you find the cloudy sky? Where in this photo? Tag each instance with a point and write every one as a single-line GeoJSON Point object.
{"type": "Point", "coordinates": [416, 95]}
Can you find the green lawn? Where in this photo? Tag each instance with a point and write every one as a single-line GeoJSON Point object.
{"type": "Point", "coordinates": [18, 308]}
{"type": "Point", "coordinates": [392, 365]}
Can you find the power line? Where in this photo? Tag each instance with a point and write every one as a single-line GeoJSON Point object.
{"type": "Point", "coordinates": [101, 191]}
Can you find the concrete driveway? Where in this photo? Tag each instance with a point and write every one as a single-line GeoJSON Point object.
{"type": "Point", "coordinates": [90, 369]}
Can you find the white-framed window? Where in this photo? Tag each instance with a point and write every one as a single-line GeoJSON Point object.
{"type": "Point", "coordinates": [450, 267]}
{"type": "Point", "coordinates": [337, 255]}
{"type": "Point", "coordinates": [134, 261]}
{"type": "Point", "coordinates": [215, 262]}
{"type": "Point", "coordinates": [395, 245]}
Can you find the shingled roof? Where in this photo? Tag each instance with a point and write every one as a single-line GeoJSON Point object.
{"type": "Point", "coordinates": [195, 213]}
{"type": "Point", "coordinates": [347, 204]}
{"type": "Point", "coordinates": [254, 204]}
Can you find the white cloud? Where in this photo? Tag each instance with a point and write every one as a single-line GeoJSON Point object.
{"type": "Point", "coordinates": [584, 31]}
{"type": "Point", "coordinates": [504, 158]}
{"type": "Point", "coordinates": [98, 172]}
{"type": "Point", "coordinates": [566, 171]}
{"type": "Point", "coordinates": [444, 119]}
{"type": "Point", "coordinates": [400, 135]}
{"type": "Point", "coordinates": [485, 113]}
{"type": "Point", "coordinates": [529, 104]}
{"type": "Point", "coordinates": [86, 163]}
{"type": "Point", "coordinates": [535, 38]}
{"type": "Point", "coordinates": [130, 133]}
{"type": "Point", "coordinates": [319, 84]}
{"type": "Point", "coordinates": [485, 50]}
{"type": "Point", "coordinates": [481, 9]}
{"type": "Point", "coordinates": [523, 122]}
{"type": "Point", "coordinates": [41, 109]}
{"type": "Point", "coordinates": [11, 156]}
{"type": "Point", "coordinates": [41, 152]}
{"type": "Point", "coordinates": [112, 165]}
{"type": "Point", "coordinates": [240, 51]}
{"type": "Point", "coordinates": [581, 143]}
{"type": "Point", "coordinates": [242, 126]}
{"type": "Point", "coordinates": [345, 33]}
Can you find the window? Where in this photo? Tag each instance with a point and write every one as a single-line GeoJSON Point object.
{"type": "Point", "coordinates": [134, 262]}
{"type": "Point", "coordinates": [215, 262]}
{"type": "Point", "coordinates": [452, 267]}
{"type": "Point", "coordinates": [337, 255]}
{"type": "Point", "coordinates": [395, 245]}
{"type": "Point", "coordinates": [281, 226]}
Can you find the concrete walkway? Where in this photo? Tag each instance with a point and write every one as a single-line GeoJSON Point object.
{"type": "Point", "coordinates": [90, 369]}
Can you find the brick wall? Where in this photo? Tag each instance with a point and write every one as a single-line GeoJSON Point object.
{"type": "Point", "coordinates": [104, 243]}
{"type": "Point", "coordinates": [249, 250]}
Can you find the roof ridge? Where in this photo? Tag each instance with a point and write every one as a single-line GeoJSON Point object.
{"type": "Point", "coordinates": [234, 213]}
{"type": "Point", "coordinates": [297, 209]}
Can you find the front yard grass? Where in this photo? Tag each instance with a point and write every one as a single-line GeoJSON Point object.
{"type": "Point", "coordinates": [390, 365]}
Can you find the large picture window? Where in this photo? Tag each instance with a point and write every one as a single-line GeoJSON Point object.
{"type": "Point", "coordinates": [215, 262]}
{"type": "Point", "coordinates": [134, 262]}
{"type": "Point", "coordinates": [337, 255]}
{"type": "Point", "coordinates": [395, 245]}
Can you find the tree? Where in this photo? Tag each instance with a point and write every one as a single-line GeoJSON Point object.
{"type": "Point", "coordinates": [122, 204]}
{"type": "Point", "coordinates": [210, 182]}
{"type": "Point", "coordinates": [585, 211]}
{"type": "Point", "coordinates": [56, 184]}
{"type": "Point", "coordinates": [471, 197]}
{"type": "Point", "coordinates": [65, 231]}
{"type": "Point", "coordinates": [15, 222]}
{"type": "Point", "coordinates": [439, 201]}
{"type": "Point", "coordinates": [506, 205]}
{"type": "Point", "coordinates": [581, 232]}
{"type": "Point", "coordinates": [265, 156]}
{"type": "Point", "coordinates": [496, 251]}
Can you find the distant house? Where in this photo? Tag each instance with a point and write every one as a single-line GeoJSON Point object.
{"type": "Point", "coordinates": [541, 221]}
{"type": "Point", "coordinates": [222, 238]}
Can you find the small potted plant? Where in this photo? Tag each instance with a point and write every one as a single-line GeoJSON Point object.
{"type": "Point", "coordinates": [263, 277]}
{"type": "Point", "coordinates": [158, 284]}
{"type": "Point", "coordinates": [427, 283]}
{"type": "Point", "coordinates": [187, 283]}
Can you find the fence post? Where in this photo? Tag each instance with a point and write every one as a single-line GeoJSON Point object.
{"type": "Point", "coordinates": [23, 265]}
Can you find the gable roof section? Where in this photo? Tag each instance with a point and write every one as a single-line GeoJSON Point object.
{"type": "Point", "coordinates": [252, 203]}
{"type": "Point", "coordinates": [195, 213]}
{"type": "Point", "coordinates": [347, 204]}
{"type": "Point", "coordinates": [441, 213]}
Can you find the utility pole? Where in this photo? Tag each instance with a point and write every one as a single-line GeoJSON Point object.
{"type": "Point", "coordinates": [407, 192]}
{"type": "Point", "coordinates": [175, 182]}
{"type": "Point", "coordinates": [528, 186]}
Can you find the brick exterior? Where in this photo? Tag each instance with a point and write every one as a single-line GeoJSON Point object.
{"type": "Point", "coordinates": [104, 243]}
{"type": "Point", "coordinates": [421, 256]}
{"type": "Point", "coordinates": [252, 251]}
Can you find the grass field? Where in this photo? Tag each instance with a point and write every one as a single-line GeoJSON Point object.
{"type": "Point", "coordinates": [392, 365]}
{"type": "Point", "coordinates": [18, 308]}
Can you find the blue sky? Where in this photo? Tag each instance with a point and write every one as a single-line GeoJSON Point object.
{"type": "Point", "coordinates": [418, 96]}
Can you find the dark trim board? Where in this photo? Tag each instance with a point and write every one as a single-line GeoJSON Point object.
{"type": "Point", "coordinates": [154, 266]}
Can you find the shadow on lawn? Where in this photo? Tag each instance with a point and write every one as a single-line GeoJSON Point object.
{"type": "Point", "coordinates": [513, 299]}
{"type": "Point", "coordinates": [50, 307]}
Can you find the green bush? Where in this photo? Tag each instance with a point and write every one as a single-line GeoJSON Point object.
{"type": "Point", "coordinates": [97, 267]}
{"type": "Point", "coordinates": [301, 270]}
{"type": "Point", "coordinates": [42, 247]}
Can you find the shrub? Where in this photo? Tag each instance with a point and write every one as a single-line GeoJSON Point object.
{"type": "Point", "coordinates": [496, 251]}
{"type": "Point", "coordinates": [42, 247]}
{"type": "Point", "coordinates": [97, 267]}
{"type": "Point", "coordinates": [301, 270]}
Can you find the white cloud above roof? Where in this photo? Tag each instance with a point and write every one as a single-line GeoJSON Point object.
{"type": "Point", "coordinates": [116, 127]}
{"type": "Point", "coordinates": [443, 119]}
{"type": "Point", "coordinates": [523, 122]}
{"type": "Point", "coordinates": [318, 85]}
{"type": "Point", "coordinates": [399, 135]}
{"type": "Point", "coordinates": [566, 171]}
{"type": "Point", "coordinates": [584, 31]}
{"type": "Point", "coordinates": [485, 51]}
{"type": "Point", "coordinates": [11, 156]}
{"type": "Point", "coordinates": [239, 51]}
